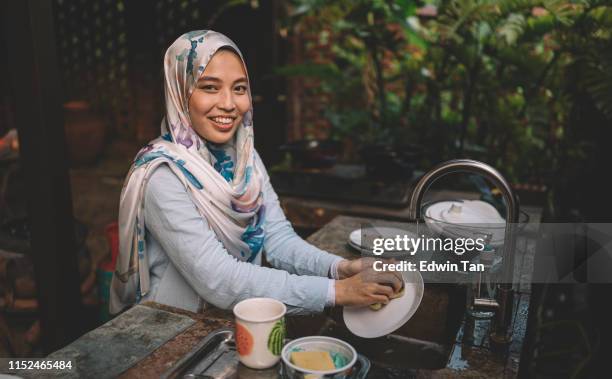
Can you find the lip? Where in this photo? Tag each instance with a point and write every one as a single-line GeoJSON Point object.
{"type": "Point", "coordinates": [222, 127]}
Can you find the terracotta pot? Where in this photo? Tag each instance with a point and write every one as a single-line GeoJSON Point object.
{"type": "Point", "coordinates": [85, 133]}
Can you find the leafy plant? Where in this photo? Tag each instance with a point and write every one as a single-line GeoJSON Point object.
{"type": "Point", "coordinates": [366, 37]}
{"type": "Point", "coordinates": [494, 80]}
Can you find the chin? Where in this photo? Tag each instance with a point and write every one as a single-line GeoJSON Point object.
{"type": "Point", "coordinates": [211, 134]}
{"type": "Point", "coordinates": [220, 139]}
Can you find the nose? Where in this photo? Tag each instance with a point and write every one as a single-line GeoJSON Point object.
{"type": "Point", "coordinates": [226, 101]}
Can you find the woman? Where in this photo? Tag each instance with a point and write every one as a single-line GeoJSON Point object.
{"type": "Point", "coordinates": [197, 207]}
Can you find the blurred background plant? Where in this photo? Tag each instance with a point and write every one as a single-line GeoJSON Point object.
{"type": "Point", "coordinates": [363, 47]}
{"type": "Point", "coordinates": [506, 82]}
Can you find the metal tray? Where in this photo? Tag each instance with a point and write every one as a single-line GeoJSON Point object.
{"type": "Point", "coordinates": [216, 357]}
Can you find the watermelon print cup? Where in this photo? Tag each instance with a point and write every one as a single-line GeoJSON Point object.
{"type": "Point", "coordinates": [260, 331]}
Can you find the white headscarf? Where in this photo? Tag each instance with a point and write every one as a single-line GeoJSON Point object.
{"type": "Point", "coordinates": [231, 201]}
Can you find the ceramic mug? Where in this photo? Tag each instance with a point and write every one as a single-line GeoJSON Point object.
{"type": "Point", "coordinates": [260, 331]}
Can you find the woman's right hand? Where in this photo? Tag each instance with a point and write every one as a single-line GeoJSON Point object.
{"type": "Point", "coordinates": [359, 291]}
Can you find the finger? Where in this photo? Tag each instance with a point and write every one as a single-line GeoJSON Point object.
{"type": "Point", "coordinates": [399, 283]}
{"type": "Point", "coordinates": [387, 270]}
{"type": "Point", "coordinates": [373, 299]}
{"type": "Point", "coordinates": [394, 261]}
{"type": "Point", "coordinates": [396, 274]}
{"type": "Point", "coordinates": [382, 289]}
{"type": "Point", "coordinates": [395, 282]}
{"type": "Point", "coordinates": [377, 289]}
{"type": "Point", "coordinates": [354, 266]}
{"type": "Point", "coordinates": [391, 278]}
{"type": "Point", "coordinates": [365, 263]}
{"type": "Point", "coordinates": [397, 286]}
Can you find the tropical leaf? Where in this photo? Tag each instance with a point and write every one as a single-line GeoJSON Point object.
{"type": "Point", "coordinates": [516, 6]}
{"type": "Point", "coordinates": [512, 28]}
{"type": "Point", "coordinates": [598, 82]}
{"type": "Point", "coordinates": [563, 11]}
{"type": "Point", "coordinates": [457, 14]}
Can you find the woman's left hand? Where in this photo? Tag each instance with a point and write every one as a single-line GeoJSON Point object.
{"type": "Point", "coordinates": [348, 268]}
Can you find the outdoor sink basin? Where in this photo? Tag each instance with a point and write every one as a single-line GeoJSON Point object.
{"type": "Point", "coordinates": [424, 342]}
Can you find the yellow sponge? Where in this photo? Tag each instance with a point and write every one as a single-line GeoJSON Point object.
{"type": "Point", "coordinates": [378, 306]}
{"type": "Point", "coordinates": [313, 360]}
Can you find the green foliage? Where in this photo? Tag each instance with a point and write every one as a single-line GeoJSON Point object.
{"type": "Point", "coordinates": [496, 80]}
{"type": "Point", "coordinates": [365, 34]}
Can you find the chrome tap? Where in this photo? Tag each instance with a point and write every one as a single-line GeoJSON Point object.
{"type": "Point", "coordinates": [504, 302]}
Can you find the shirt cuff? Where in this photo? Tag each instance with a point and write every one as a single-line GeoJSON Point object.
{"type": "Point", "coordinates": [333, 269]}
{"type": "Point", "coordinates": [330, 301]}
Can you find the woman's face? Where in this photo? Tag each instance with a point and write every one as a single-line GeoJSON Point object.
{"type": "Point", "coordinates": [220, 98]}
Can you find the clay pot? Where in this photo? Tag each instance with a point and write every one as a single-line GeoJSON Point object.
{"type": "Point", "coordinates": [85, 133]}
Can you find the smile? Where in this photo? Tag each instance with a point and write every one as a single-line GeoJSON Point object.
{"type": "Point", "coordinates": [222, 122]}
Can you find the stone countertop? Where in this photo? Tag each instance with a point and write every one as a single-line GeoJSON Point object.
{"type": "Point", "coordinates": [169, 353]}
{"type": "Point", "coordinates": [142, 342]}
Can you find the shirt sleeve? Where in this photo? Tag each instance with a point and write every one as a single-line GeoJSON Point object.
{"type": "Point", "coordinates": [220, 279]}
{"type": "Point", "coordinates": [284, 248]}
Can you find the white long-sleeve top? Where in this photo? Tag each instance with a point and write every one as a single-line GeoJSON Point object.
{"type": "Point", "coordinates": [189, 267]}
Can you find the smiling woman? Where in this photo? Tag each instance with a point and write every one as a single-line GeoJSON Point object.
{"type": "Point", "coordinates": [197, 209]}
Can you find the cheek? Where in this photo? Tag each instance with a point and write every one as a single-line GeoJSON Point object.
{"type": "Point", "coordinates": [200, 103]}
{"type": "Point", "coordinates": [243, 105]}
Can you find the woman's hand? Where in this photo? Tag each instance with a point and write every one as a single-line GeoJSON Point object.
{"type": "Point", "coordinates": [348, 268]}
{"type": "Point", "coordinates": [367, 287]}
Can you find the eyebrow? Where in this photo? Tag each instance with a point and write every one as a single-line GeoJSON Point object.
{"type": "Point", "coordinates": [215, 79]}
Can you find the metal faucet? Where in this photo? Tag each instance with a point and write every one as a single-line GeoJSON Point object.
{"type": "Point", "coordinates": [504, 302]}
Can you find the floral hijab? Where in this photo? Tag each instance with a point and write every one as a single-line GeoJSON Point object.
{"type": "Point", "coordinates": [223, 180]}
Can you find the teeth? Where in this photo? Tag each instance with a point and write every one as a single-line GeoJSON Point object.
{"type": "Point", "coordinates": [223, 120]}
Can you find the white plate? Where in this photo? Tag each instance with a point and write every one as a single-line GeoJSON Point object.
{"type": "Point", "coordinates": [366, 323]}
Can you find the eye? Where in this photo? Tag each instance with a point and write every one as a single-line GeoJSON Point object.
{"type": "Point", "coordinates": [240, 89]}
{"type": "Point", "coordinates": [208, 87]}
